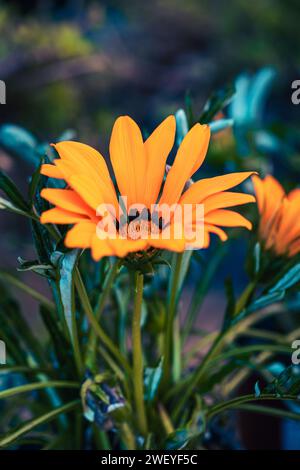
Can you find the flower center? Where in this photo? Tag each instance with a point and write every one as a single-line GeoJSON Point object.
{"type": "Point", "coordinates": [140, 225]}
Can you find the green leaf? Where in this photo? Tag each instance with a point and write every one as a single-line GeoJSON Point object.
{"type": "Point", "coordinates": [257, 257]}
{"type": "Point", "coordinates": [20, 431]}
{"type": "Point", "coordinates": [189, 109]}
{"type": "Point", "coordinates": [179, 439]}
{"type": "Point", "coordinates": [215, 377]}
{"type": "Point", "coordinates": [18, 328]}
{"type": "Point", "coordinates": [58, 341]}
{"type": "Point", "coordinates": [182, 126]}
{"type": "Point", "coordinates": [152, 380]}
{"type": "Point", "coordinates": [67, 264]}
{"type": "Point", "coordinates": [220, 125]}
{"type": "Point", "coordinates": [19, 142]}
{"type": "Point", "coordinates": [9, 206]}
{"type": "Point", "coordinates": [43, 243]}
{"type": "Point", "coordinates": [207, 273]}
{"type": "Point", "coordinates": [34, 183]}
{"type": "Point", "coordinates": [216, 103]}
{"type": "Point", "coordinates": [288, 280]}
{"type": "Point", "coordinates": [288, 382]}
{"type": "Point", "coordinates": [25, 370]}
{"type": "Point", "coordinates": [257, 389]}
{"type": "Point", "coordinates": [14, 281]}
{"type": "Point", "coordinates": [230, 308]}
{"type": "Point", "coordinates": [265, 300]}
{"type": "Point", "coordinates": [12, 192]}
{"type": "Point", "coordinates": [267, 410]}
{"type": "Point", "coordinates": [185, 263]}
{"type": "Point", "coordinates": [11, 340]}
{"type": "Point", "coordinates": [41, 269]}
{"type": "Point", "coordinates": [11, 392]}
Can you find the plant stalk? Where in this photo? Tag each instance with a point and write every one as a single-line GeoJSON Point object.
{"type": "Point", "coordinates": [169, 335]}
{"type": "Point", "coordinates": [138, 382]}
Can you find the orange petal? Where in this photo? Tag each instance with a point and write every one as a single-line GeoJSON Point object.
{"type": "Point", "coordinates": [218, 231]}
{"type": "Point", "coordinates": [259, 192]}
{"type": "Point", "coordinates": [171, 238]}
{"type": "Point", "coordinates": [200, 190]}
{"type": "Point", "coordinates": [196, 245]}
{"type": "Point", "coordinates": [171, 245]}
{"type": "Point", "coordinates": [226, 199]}
{"type": "Point", "coordinates": [294, 249]}
{"type": "Point", "coordinates": [80, 236]}
{"type": "Point", "coordinates": [274, 194]}
{"type": "Point", "coordinates": [270, 195]}
{"type": "Point", "coordinates": [190, 156]}
{"type": "Point", "coordinates": [84, 159]}
{"type": "Point", "coordinates": [294, 195]}
{"type": "Point", "coordinates": [158, 146]}
{"type": "Point", "coordinates": [128, 157]}
{"type": "Point", "coordinates": [288, 224]}
{"type": "Point", "coordinates": [121, 247]}
{"type": "Point", "coordinates": [81, 159]}
{"type": "Point", "coordinates": [60, 216]}
{"type": "Point", "coordinates": [100, 248]}
{"type": "Point", "coordinates": [88, 190]}
{"type": "Point", "coordinates": [51, 171]}
{"type": "Point", "coordinates": [66, 199]}
{"type": "Point", "coordinates": [227, 218]}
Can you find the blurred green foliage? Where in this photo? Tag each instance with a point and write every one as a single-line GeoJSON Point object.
{"type": "Point", "coordinates": [81, 64]}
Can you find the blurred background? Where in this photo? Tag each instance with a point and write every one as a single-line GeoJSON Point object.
{"type": "Point", "coordinates": [71, 67]}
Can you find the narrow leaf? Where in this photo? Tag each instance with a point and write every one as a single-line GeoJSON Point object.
{"type": "Point", "coordinates": [32, 424]}
{"type": "Point", "coordinates": [12, 192]}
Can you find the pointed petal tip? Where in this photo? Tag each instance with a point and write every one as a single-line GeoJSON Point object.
{"type": "Point", "coordinates": [249, 225]}
{"type": "Point", "coordinates": [44, 192]}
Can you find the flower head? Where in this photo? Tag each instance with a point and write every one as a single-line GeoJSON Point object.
{"type": "Point", "coordinates": [148, 212]}
{"type": "Point", "coordinates": [279, 226]}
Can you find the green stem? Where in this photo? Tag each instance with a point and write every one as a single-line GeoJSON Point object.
{"type": "Point", "coordinates": [236, 402]}
{"type": "Point", "coordinates": [215, 348]}
{"type": "Point", "coordinates": [200, 291]}
{"type": "Point", "coordinates": [266, 335]}
{"type": "Point", "coordinates": [10, 392]}
{"type": "Point", "coordinates": [95, 325]}
{"type": "Point", "coordinates": [165, 419]}
{"type": "Point", "coordinates": [102, 441]}
{"type": "Point", "coordinates": [32, 292]}
{"type": "Point", "coordinates": [127, 436]}
{"type": "Point", "coordinates": [252, 348]}
{"type": "Point", "coordinates": [266, 410]}
{"type": "Point", "coordinates": [43, 419]}
{"type": "Point", "coordinates": [138, 382]}
{"type": "Point", "coordinates": [92, 342]}
{"type": "Point", "coordinates": [195, 379]}
{"type": "Point", "coordinates": [244, 298]}
{"type": "Point", "coordinates": [75, 338]}
{"type": "Point", "coordinates": [109, 280]}
{"type": "Point", "coordinates": [26, 370]}
{"type": "Point", "coordinates": [173, 297]}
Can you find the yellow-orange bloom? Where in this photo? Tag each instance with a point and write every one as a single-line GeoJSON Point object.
{"type": "Point", "coordinates": [279, 226]}
{"type": "Point", "coordinates": [139, 169]}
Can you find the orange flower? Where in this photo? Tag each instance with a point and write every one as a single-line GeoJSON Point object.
{"type": "Point", "coordinates": [139, 169]}
{"type": "Point", "coordinates": [279, 226]}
